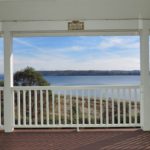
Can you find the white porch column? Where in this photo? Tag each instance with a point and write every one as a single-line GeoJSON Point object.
{"type": "Point", "coordinates": [145, 79]}
{"type": "Point", "coordinates": [8, 82]}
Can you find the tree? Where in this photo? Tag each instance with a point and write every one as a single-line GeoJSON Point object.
{"type": "Point", "coordinates": [1, 83]}
{"type": "Point", "coordinates": [29, 77]}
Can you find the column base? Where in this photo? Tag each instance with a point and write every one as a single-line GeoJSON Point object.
{"type": "Point", "coordinates": [8, 130]}
{"type": "Point", "coordinates": [146, 128]}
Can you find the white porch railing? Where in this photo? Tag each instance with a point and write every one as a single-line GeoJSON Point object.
{"type": "Point", "coordinates": [77, 106]}
{"type": "Point", "coordinates": [1, 108]}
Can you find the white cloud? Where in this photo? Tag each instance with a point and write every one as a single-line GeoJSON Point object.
{"type": "Point", "coordinates": [48, 48]}
{"type": "Point", "coordinates": [25, 43]}
{"type": "Point", "coordinates": [65, 49]}
{"type": "Point", "coordinates": [62, 62]}
{"type": "Point", "coordinates": [118, 42]}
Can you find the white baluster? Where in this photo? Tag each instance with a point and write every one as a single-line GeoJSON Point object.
{"type": "Point", "coordinates": [41, 106]}
{"type": "Point", "coordinates": [13, 99]}
{"type": "Point", "coordinates": [77, 110]}
{"type": "Point", "coordinates": [140, 103]}
{"type": "Point", "coordinates": [59, 111]}
{"type": "Point", "coordinates": [95, 110]}
{"type": "Point", "coordinates": [53, 106]}
{"type": "Point", "coordinates": [24, 107]}
{"type": "Point", "coordinates": [65, 109]}
{"type": "Point", "coordinates": [30, 108]}
{"type": "Point", "coordinates": [35, 107]}
{"type": "Point", "coordinates": [135, 106]}
{"type": "Point", "coordinates": [124, 108]}
{"type": "Point", "coordinates": [83, 117]}
{"type": "Point", "coordinates": [71, 107]}
{"type": "Point", "coordinates": [18, 104]}
{"type": "Point", "coordinates": [47, 107]}
{"type": "Point", "coordinates": [89, 108]}
{"type": "Point", "coordinates": [113, 112]}
{"type": "Point", "coordinates": [107, 108]}
{"type": "Point", "coordinates": [130, 106]}
{"type": "Point", "coordinates": [118, 100]}
{"type": "Point", "coordinates": [101, 107]}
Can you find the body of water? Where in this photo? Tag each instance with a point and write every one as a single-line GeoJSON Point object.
{"type": "Point", "coordinates": [92, 80]}
{"type": "Point", "coordinates": [1, 77]}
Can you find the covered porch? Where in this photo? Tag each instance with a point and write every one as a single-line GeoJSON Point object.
{"type": "Point", "coordinates": [130, 21]}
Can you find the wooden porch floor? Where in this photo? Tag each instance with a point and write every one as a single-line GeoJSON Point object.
{"type": "Point", "coordinates": [68, 139]}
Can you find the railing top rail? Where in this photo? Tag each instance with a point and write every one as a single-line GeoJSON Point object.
{"type": "Point", "coordinates": [74, 87]}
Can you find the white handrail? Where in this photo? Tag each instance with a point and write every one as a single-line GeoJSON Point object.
{"type": "Point", "coordinates": [74, 87]}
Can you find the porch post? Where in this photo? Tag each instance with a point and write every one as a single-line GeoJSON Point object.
{"type": "Point", "coordinates": [8, 83]}
{"type": "Point", "coordinates": [145, 79]}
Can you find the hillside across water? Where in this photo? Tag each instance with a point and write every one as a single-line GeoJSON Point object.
{"type": "Point", "coordinates": [88, 72]}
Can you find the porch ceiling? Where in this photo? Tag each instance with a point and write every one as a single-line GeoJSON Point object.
{"type": "Point", "coordinates": [20, 10]}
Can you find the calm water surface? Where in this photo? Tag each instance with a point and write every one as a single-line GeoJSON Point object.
{"type": "Point", "coordinates": [92, 80]}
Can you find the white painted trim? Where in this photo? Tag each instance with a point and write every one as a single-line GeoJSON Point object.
{"type": "Point", "coordinates": [77, 33]}
{"type": "Point", "coordinates": [145, 78]}
{"type": "Point", "coordinates": [79, 125]}
{"type": "Point", "coordinates": [8, 83]}
{"type": "Point", "coordinates": [90, 25]}
{"type": "Point", "coordinates": [60, 28]}
{"type": "Point", "coordinates": [111, 25]}
{"type": "Point", "coordinates": [34, 26]}
{"type": "Point", "coordinates": [87, 87]}
{"type": "Point", "coordinates": [146, 24]}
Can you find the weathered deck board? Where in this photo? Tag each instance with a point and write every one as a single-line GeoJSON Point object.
{"type": "Point", "coordinates": [68, 139]}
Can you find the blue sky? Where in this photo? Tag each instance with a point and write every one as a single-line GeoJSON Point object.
{"type": "Point", "coordinates": [75, 53]}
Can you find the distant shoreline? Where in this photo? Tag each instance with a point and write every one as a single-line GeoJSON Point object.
{"type": "Point", "coordinates": [89, 73]}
